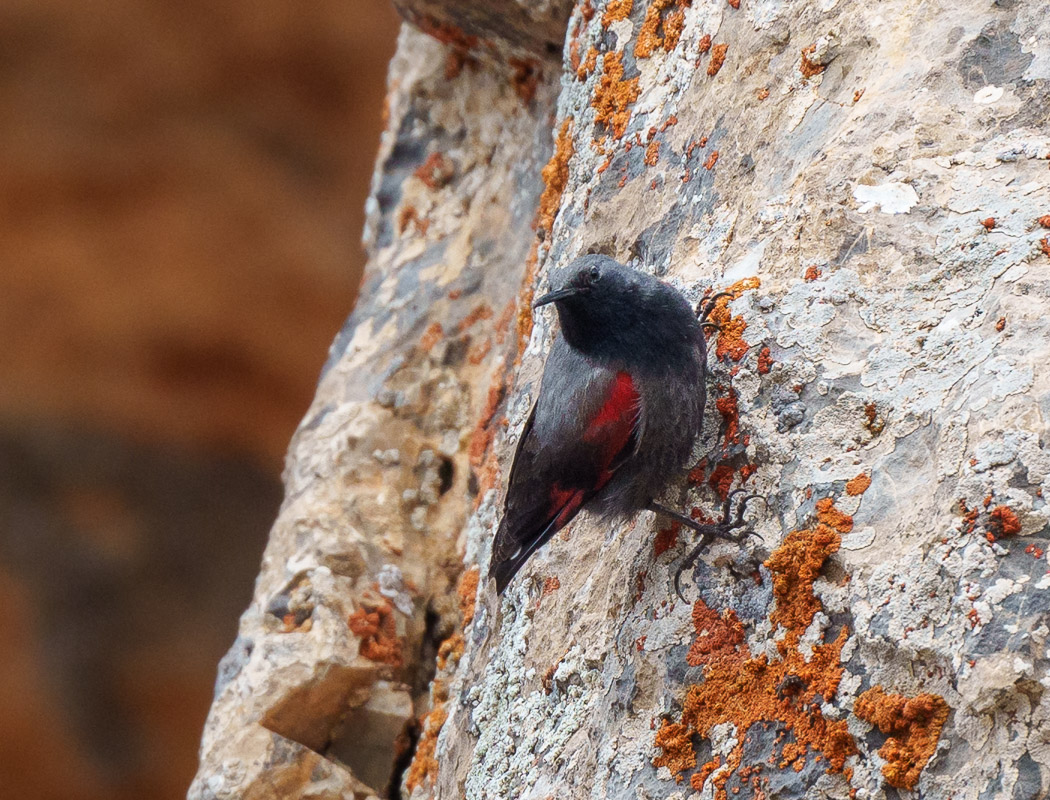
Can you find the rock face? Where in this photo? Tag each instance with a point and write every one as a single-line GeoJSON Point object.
{"type": "Point", "coordinates": [869, 182]}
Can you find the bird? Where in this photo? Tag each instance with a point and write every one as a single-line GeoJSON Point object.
{"type": "Point", "coordinates": [620, 404]}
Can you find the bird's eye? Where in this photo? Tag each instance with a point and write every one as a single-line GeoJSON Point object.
{"type": "Point", "coordinates": [595, 274]}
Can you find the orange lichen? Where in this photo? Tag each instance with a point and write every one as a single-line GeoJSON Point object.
{"type": "Point", "coordinates": [872, 421]}
{"type": "Point", "coordinates": [587, 10]}
{"type": "Point", "coordinates": [478, 352]}
{"type": "Point", "coordinates": [616, 11]}
{"type": "Point", "coordinates": [649, 38]}
{"type": "Point", "coordinates": [828, 515]}
{"type": "Point", "coordinates": [727, 407]}
{"type": "Point", "coordinates": [765, 361]}
{"type": "Point", "coordinates": [444, 32]}
{"type": "Point", "coordinates": [718, 636]}
{"type": "Point", "coordinates": [590, 61]}
{"type": "Point", "coordinates": [700, 777]}
{"type": "Point", "coordinates": [526, 77]}
{"type": "Point", "coordinates": [795, 565]}
{"type": "Point", "coordinates": [744, 689]}
{"type": "Point", "coordinates": [807, 67]}
{"type": "Point", "coordinates": [431, 336]}
{"type": "Point", "coordinates": [1004, 521]}
{"type": "Point", "coordinates": [674, 24]}
{"type": "Point", "coordinates": [614, 96]}
{"type": "Point", "coordinates": [467, 591]}
{"type": "Point", "coordinates": [480, 312]}
{"type": "Point", "coordinates": [1044, 220]}
{"type": "Point", "coordinates": [858, 485]}
{"type": "Point", "coordinates": [696, 474]}
{"type": "Point", "coordinates": [676, 741]}
{"type": "Point", "coordinates": [913, 726]}
{"type": "Point", "coordinates": [721, 480]}
{"type": "Point", "coordinates": [661, 30]}
{"type": "Point", "coordinates": [734, 3]}
{"type": "Point", "coordinates": [574, 51]}
{"type": "Point", "coordinates": [424, 765]}
{"type": "Point", "coordinates": [459, 43]}
{"type": "Point", "coordinates": [1044, 245]}
{"type": "Point", "coordinates": [705, 43]}
{"type": "Point", "coordinates": [731, 329]}
{"type": "Point", "coordinates": [528, 291]}
{"type": "Point", "coordinates": [481, 436]}
{"type": "Point", "coordinates": [718, 57]}
{"type": "Point", "coordinates": [969, 518]}
{"type": "Point", "coordinates": [409, 216]}
{"type": "Point", "coordinates": [711, 160]}
{"type": "Point", "coordinates": [666, 538]}
{"type": "Point", "coordinates": [450, 650]}
{"type": "Point", "coordinates": [555, 177]}
{"type": "Point", "coordinates": [762, 93]}
{"type": "Point", "coordinates": [376, 628]}
{"type": "Point", "coordinates": [652, 153]}
{"type": "Point", "coordinates": [988, 223]}
{"type": "Point", "coordinates": [812, 273]}
{"type": "Point", "coordinates": [1000, 324]}
{"type": "Point", "coordinates": [436, 171]}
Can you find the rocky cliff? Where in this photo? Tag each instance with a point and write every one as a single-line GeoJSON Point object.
{"type": "Point", "coordinates": [870, 184]}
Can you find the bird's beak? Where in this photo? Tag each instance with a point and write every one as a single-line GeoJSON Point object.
{"type": "Point", "coordinates": [553, 297]}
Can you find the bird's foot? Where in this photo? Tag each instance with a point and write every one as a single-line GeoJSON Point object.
{"type": "Point", "coordinates": [731, 528]}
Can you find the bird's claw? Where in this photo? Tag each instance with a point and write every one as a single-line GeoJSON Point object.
{"type": "Point", "coordinates": [687, 562]}
{"type": "Point", "coordinates": [725, 529]}
{"type": "Point", "coordinates": [707, 305]}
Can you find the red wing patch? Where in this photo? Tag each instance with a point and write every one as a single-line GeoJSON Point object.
{"type": "Point", "coordinates": [610, 431]}
{"type": "Point", "coordinates": [565, 502]}
{"type": "Point", "coordinates": [614, 423]}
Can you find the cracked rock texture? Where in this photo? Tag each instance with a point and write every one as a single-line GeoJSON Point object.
{"type": "Point", "coordinates": [867, 180]}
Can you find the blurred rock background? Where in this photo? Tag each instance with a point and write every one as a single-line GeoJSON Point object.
{"type": "Point", "coordinates": [181, 200]}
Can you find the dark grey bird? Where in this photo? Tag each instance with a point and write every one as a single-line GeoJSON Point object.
{"type": "Point", "coordinates": [620, 404]}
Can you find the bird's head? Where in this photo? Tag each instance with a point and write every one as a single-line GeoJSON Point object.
{"type": "Point", "coordinates": [609, 310]}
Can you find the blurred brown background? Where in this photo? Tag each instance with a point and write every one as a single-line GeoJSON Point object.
{"type": "Point", "coordinates": [181, 200]}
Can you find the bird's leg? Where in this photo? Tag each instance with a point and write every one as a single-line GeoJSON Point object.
{"type": "Point", "coordinates": [738, 520]}
{"type": "Point", "coordinates": [726, 528]}
{"type": "Point", "coordinates": [687, 562]}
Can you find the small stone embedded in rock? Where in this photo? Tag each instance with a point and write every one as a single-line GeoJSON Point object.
{"type": "Point", "coordinates": [791, 416]}
{"type": "Point", "coordinates": [890, 198]}
{"type": "Point", "coordinates": [392, 586]}
{"type": "Point", "coordinates": [988, 95]}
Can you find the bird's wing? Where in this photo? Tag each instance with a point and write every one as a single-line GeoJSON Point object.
{"type": "Point", "coordinates": [564, 457]}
